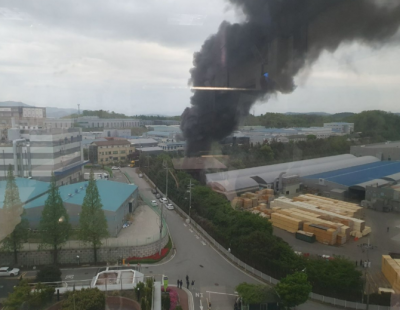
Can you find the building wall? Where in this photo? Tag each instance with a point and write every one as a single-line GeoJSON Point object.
{"type": "Point", "coordinates": [58, 123]}
{"type": "Point", "coordinates": [112, 153]}
{"type": "Point", "coordinates": [345, 128]}
{"type": "Point", "coordinates": [381, 153]}
{"type": "Point", "coordinates": [90, 122]}
{"type": "Point", "coordinates": [48, 151]}
{"type": "Point", "coordinates": [115, 219]}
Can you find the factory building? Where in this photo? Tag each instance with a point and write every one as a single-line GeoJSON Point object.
{"type": "Point", "coordinates": [118, 200]}
{"type": "Point", "coordinates": [143, 142]}
{"type": "Point", "coordinates": [233, 183]}
{"type": "Point", "coordinates": [384, 198]}
{"type": "Point", "coordinates": [39, 153]}
{"type": "Point", "coordinates": [96, 122]}
{"type": "Point", "coordinates": [111, 151]}
{"type": "Point", "coordinates": [383, 151]}
{"type": "Point", "coordinates": [352, 182]}
{"type": "Point", "coordinates": [172, 146]}
{"type": "Point", "coordinates": [341, 127]}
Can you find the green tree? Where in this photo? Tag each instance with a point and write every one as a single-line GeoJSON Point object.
{"type": "Point", "coordinates": [54, 224]}
{"type": "Point", "coordinates": [253, 293]}
{"type": "Point", "coordinates": [88, 299]}
{"type": "Point", "coordinates": [92, 221]}
{"type": "Point", "coordinates": [12, 211]}
{"type": "Point", "coordinates": [294, 289]}
{"type": "Point", "coordinates": [311, 137]}
{"type": "Point", "coordinates": [23, 297]}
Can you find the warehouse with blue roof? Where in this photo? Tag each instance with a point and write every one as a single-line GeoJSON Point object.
{"type": "Point", "coordinates": [352, 182]}
{"type": "Point", "coordinates": [118, 200]}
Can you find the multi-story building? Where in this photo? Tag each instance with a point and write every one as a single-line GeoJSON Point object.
{"type": "Point", "coordinates": [96, 122]}
{"type": "Point", "coordinates": [39, 153]}
{"type": "Point", "coordinates": [389, 150]}
{"type": "Point", "coordinates": [58, 123]}
{"type": "Point", "coordinates": [20, 116]}
{"type": "Point", "coordinates": [172, 146]}
{"type": "Point", "coordinates": [341, 127]}
{"type": "Point", "coordinates": [105, 152]}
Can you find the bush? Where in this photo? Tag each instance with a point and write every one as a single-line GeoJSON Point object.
{"type": "Point", "coordinates": [50, 273]}
{"type": "Point", "coordinates": [88, 299]}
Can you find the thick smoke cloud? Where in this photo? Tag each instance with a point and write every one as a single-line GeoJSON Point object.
{"type": "Point", "coordinates": [278, 37]}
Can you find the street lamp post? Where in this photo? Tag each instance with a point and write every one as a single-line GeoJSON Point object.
{"type": "Point", "coordinates": [190, 200]}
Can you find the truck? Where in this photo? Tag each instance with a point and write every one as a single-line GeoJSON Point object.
{"type": "Point", "coordinates": [97, 176]}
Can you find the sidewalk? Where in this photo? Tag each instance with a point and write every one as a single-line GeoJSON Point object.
{"type": "Point", "coordinates": [183, 299]}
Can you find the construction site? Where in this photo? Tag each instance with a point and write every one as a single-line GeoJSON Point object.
{"type": "Point", "coordinates": [311, 218]}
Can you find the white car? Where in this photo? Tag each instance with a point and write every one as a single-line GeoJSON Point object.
{"type": "Point", "coordinates": [8, 272]}
{"type": "Point", "coordinates": [169, 206]}
{"type": "Point", "coordinates": [114, 168]}
{"type": "Point", "coordinates": [164, 200]}
{"type": "Point", "coordinates": [154, 203]}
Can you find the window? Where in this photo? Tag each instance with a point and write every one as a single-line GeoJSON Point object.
{"type": "Point", "coordinates": [115, 152]}
{"type": "Point", "coordinates": [287, 192]}
{"type": "Point", "coordinates": [123, 152]}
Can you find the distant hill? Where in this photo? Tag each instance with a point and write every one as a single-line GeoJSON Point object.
{"type": "Point", "coordinates": [13, 104]}
{"type": "Point", "coordinates": [307, 113]}
{"type": "Point", "coordinates": [59, 112]}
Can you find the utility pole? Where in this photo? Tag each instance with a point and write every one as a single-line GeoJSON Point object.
{"type": "Point", "coordinates": [79, 109]}
{"type": "Point", "coordinates": [190, 197]}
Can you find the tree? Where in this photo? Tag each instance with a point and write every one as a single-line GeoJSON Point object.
{"type": "Point", "coordinates": [12, 207]}
{"type": "Point", "coordinates": [23, 297]}
{"type": "Point", "coordinates": [12, 211]}
{"type": "Point", "coordinates": [253, 293]}
{"type": "Point", "coordinates": [49, 273]}
{"type": "Point", "coordinates": [88, 299]}
{"type": "Point", "coordinates": [92, 221]}
{"type": "Point", "coordinates": [294, 289]}
{"type": "Point", "coordinates": [54, 224]}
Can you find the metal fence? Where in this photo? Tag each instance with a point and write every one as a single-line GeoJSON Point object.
{"type": "Point", "coordinates": [269, 279]}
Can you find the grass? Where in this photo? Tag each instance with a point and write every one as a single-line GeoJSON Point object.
{"type": "Point", "coordinates": [153, 258]}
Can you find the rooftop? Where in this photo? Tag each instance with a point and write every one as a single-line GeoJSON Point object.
{"type": "Point", "coordinates": [112, 142]}
{"type": "Point", "coordinates": [142, 141]}
{"type": "Point", "coordinates": [112, 194]}
{"type": "Point", "coordinates": [359, 174]}
{"type": "Point", "coordinates": [28, 189]}
{"type": "Point", "coordinates": [197, 163]}
{"type": "Point", "coordinates": [149, 149]}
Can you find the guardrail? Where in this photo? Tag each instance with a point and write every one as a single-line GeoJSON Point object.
{"type": "Point", "coordinates": [267, 278]}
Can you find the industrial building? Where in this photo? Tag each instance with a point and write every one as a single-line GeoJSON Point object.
{"type": "Point", "coordinates": [383, 151]}
{"type": "Point", "coordinates": [105, 152]}
{"type": "Point", "coordinates": [352, 182]}
{"type": "Point", "coordinates": [96, 122]}
{"type": "Point", "coordinates": [384, 198]}
{"type": "Point", "coordinates": [118, 200]}
{"type": "Point", "coordinates": [235, 182]}
{"type": "Point", "coordinates": [143, 142]}
{"type": "Point", "coordinates": [39, 153]}
{"type": "Point", "coordinates": [340, 127]}
{"type": "Point", "coordinates": [172, 146]}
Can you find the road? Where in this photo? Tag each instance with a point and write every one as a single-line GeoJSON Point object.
{"type": "Point", "coordinates": [215, 277]}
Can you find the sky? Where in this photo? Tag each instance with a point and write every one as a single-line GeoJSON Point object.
{"type": "Point", "coordinates": [134, 57]}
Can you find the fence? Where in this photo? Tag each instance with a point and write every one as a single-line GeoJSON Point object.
{"type": "Point", "coordinates": [269, 279]}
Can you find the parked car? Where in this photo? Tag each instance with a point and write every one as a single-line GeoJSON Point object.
{"type": "Point", "coordinates": [153, 191]}
{"type": "Point", "coordinates": [114, 168]}
{"type": "Point", "coordinates": [140, 175]}
{"type": "Point", "coordinates": [164, 200]}
{"type": "Point", "coordinates": [8, 272]}
{"type": "Point", "coordinates": [169, 206]}
{"type": "Point", "coordinates": [154, 203]}
{"type": "Point", "coordinates": [158, 195]}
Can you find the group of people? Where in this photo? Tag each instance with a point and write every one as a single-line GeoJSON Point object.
{"type": "Point", "coordinates": [180, 283]}
{"type": "Point", "coordinates": [365, 263]}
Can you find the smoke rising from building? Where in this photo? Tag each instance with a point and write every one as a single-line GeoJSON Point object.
{"type": "Point", "coordinates": [278, 37]}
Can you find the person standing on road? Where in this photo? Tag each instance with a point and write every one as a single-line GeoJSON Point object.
{"type": "Point", "coordinates": [192, 283]}
{"type": "Point", "coordinates": [181, 282]}
{"type": "Point", "coordinates": [187, 278]}
{"type": "Point", "coordinates": [187, 284]}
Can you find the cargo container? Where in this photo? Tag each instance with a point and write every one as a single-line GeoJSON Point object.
{"type": "Point", "coordinates": [304, 236]}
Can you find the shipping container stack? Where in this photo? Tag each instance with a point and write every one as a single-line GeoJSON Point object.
{"type": "Point", "coordinates": [391, 270]}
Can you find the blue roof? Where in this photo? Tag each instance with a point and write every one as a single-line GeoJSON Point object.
{"type": "Point", "coordinates": [28, 189]}
{"type": "Point", "coordinates": [112, 194]}
{"type": "Point", "coordinates": [359, 174]}
{"type": "Point", "coordinates": [159, 133]}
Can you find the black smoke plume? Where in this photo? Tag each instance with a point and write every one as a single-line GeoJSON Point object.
{"type": "Point", "coordinates": [278, 37]}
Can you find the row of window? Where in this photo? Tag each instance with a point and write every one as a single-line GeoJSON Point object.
{"type": "Point", "coordinates": [114, 152]}
{"type": "Point", "coordinates": [113, 146]}
{"type": "Point", "coordinates": [122, 158]}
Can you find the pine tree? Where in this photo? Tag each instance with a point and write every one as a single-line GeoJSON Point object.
{"type": "Point", "coordinates": [16, 229]}
{"type": "Point", "coordinates": [92, 221]}
{"type": "Point", "coordinates": [54, 225]}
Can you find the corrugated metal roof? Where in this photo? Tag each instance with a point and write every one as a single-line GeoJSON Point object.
{"type": "Point", "coordinates": [28, 189]}
{"type": "Point", "coordinates": [197, 163]}
{"type": "Point", "coordinates": [237, 180]}
{"type": "Point", "coordinates": [112, 142]}
{"type": "Point", "coordinates": [112, 194]}
{"type": "Point", "coordinates": [359, 174]}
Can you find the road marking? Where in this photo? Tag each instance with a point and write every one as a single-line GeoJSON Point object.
{"type": "Point", "coordinates": [190, 230]}
{"type": "Point", "coordinates": [69, 277]}
{"type": "Point", "coordinates": [199, 295]}
{"type": "Point", "coordinates": [201, 306]}
{"type": "Point", "coordinates": [197, 237]}
{"type": "Point", "coordinates": [184, 224]}
{"type": "Point", "coordinates": [203, 243]}
{"type": "Point", "coordinates": [222, 293]}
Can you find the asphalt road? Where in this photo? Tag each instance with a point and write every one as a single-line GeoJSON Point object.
{"type": "Point", "coordinates": [215, 277]}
